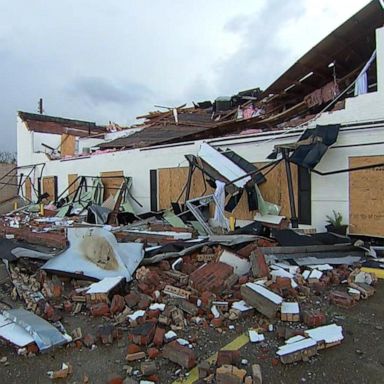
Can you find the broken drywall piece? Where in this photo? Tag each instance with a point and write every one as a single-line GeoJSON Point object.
{"type": "Point", "coordinates": [297, 351]}
{"type": "Point", "coordinates": [95, 252]}
{"type": "Point", "coordinates": [105, 285]}
{"type": "Point", "coordinates": [255, 337]}
{"type": "Point", "coordinates": [240, 265]}
{"type": "Point", "coordinates": [315, 275]}
{"type": "Point", "coordinates": [241, 306]}
{"type": "Point", "coordinates": [326, 335]}
{"type": "Point", "coordinates": [45, 335]}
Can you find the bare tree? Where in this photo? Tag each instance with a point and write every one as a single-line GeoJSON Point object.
{"type": "Point", "coordinates": [8, 157]}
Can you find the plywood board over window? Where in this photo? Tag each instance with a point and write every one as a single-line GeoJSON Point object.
{"type": "Point", "coordinates": [366, 190]}
{"type": "Point", "coordinates": [50, 187]}
{"type": "Point", "coordinates": [73, 184]}
{"type": "Point", "coordinates": [28, 188]}
{"type": "Point", "coordinates": [112, 182]}
{"type": "Point", "coordinates": [68, 145]}
{"type": "Point", "coordinates": [274, 190]}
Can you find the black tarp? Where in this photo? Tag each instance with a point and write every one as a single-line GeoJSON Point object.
{"type": "Point", "coordinates": [309, 155]}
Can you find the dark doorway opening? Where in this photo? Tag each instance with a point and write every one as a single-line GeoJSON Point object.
{"type": "Point", "coordinates": [305, 214]}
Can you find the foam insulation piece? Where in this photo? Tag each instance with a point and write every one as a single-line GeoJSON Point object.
{"type": "Point", "coordinates": [328, 333]}
{"type": "Point", "coordinates": [105, 285]}
{"type": "Point", "coordinates": [240, 265]}
{"type": "Point", "coordinates": [95, 252]}
{"type": "Point", "coordinates": [255, 337]}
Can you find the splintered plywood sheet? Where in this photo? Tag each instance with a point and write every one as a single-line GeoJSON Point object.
{"type": "Point", "coordinates": [172, 182]}
{"type": "Point", "coordinates": [274, 190]}
{"type": "Point", "coordinates": [72, 185]}
{"type": "Point", "coordinates": [112, 182]}
{"type": "Point", "coordinates": [366, 189]}
{"type": "Point", "coordinates": [68, 145]}
{"type": "Point", "coordinates": [49, 186]}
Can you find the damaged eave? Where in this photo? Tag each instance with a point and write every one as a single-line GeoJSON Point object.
{"type": "Point", "coordinates": [348, 46]}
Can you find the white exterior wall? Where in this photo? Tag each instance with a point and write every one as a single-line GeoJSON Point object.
{"type": "Point", "coordinates": [328, 192]}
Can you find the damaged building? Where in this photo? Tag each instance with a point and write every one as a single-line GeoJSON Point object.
{"type": "Point", "coordinates": [193, 246]}
{"type": "Point", "coordinates": [337, 87]}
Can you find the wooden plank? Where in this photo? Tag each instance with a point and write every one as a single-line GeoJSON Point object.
{"type": "Point", "coordinates": [28, 188]}
{"type": "Point", "coordinates": [366, 205]}
{"type": "Point", "coordinates": [49, 186]}
{"type": "Point", "coordinates": [112, 182]}
{"type": "Point", "coordinates": [68, 145]}
{"type": "Point", "coordinates": [72, 186]}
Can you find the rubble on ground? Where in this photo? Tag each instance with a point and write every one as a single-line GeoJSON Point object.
{"type": "Point", "coordinates": [158, 305]}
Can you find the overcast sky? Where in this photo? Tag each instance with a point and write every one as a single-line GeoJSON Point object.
{"type": "Point", "coordinates": [113, 60]}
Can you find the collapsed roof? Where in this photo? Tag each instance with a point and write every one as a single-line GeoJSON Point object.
{"type": "Point", "coordinates": [307, 88]}
{"type": "Point", "coordinates": [58, 125]}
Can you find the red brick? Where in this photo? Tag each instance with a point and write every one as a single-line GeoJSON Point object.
{"type": "Point", "coordinates": [49, 311]}
{"type": "Point", "coordinates": [133, 348]}
{"type": "Point", "coordinates": [188, 268]}
{"type": "Point", "coordinates": [115, 380]}
{"type": "Point", "coordinates": [217, 322]}
{"type": "Point", "coordinates": [88, 340]}
{"type": "Point", "coordinates": [154, 378]}
{"type": "Point", "coordinates": [341, 299]}
{"type": "Point", "coordinates": [164, 265]}
{"type": "Point", "coordinates": [283, 282]}
{"type": "Point", "coordinates": [118, 304]}
{"type": "Point", "coordinates": [207, 298]}
{"type": "Point", "coordinates": [68, 306]}
{"type": "Point", "coordinates": [314, 318]}
{"type": "Point", "coordinates": [180, 355]}
{"type": "Point", "coordinates": [100, 309]}
{"type": "Point", "coordinates": [158, 339]}
{"type": "Point", "coordinates": [32, 348]}
{"type": "Point", "coordinates": [132, 299]}
{"type": "Point", "coordinates": [143, 334]}
{"type": "Point", "coordinates": [144, 303]}
{"type": "Point", "coordinates": [211, 277]}
{"type": "Point", "coordinates": [243, 280]}
{"type": "Point", "coordinates": [226, 357]}
{"type": "Point", "coordinates": [259, 266]}
{"type": "Point", "coordinates": [105, 333]}
{"type": "Point", "coordinates": [135, 356]}
{"type": "Point", "coordinates": [153, 353]}
{"type": "Point", "coordinates": [54, 288]}
{"type": "Point", "coordinates": [152, 314]}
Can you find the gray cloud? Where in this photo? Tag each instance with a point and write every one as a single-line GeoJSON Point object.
{"type": "Point", "coordinates": [101, 61]}
{"type": "Point", "coordinates": [261, 55]}
{"type": "Point", "coordinates": [100, 90]}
